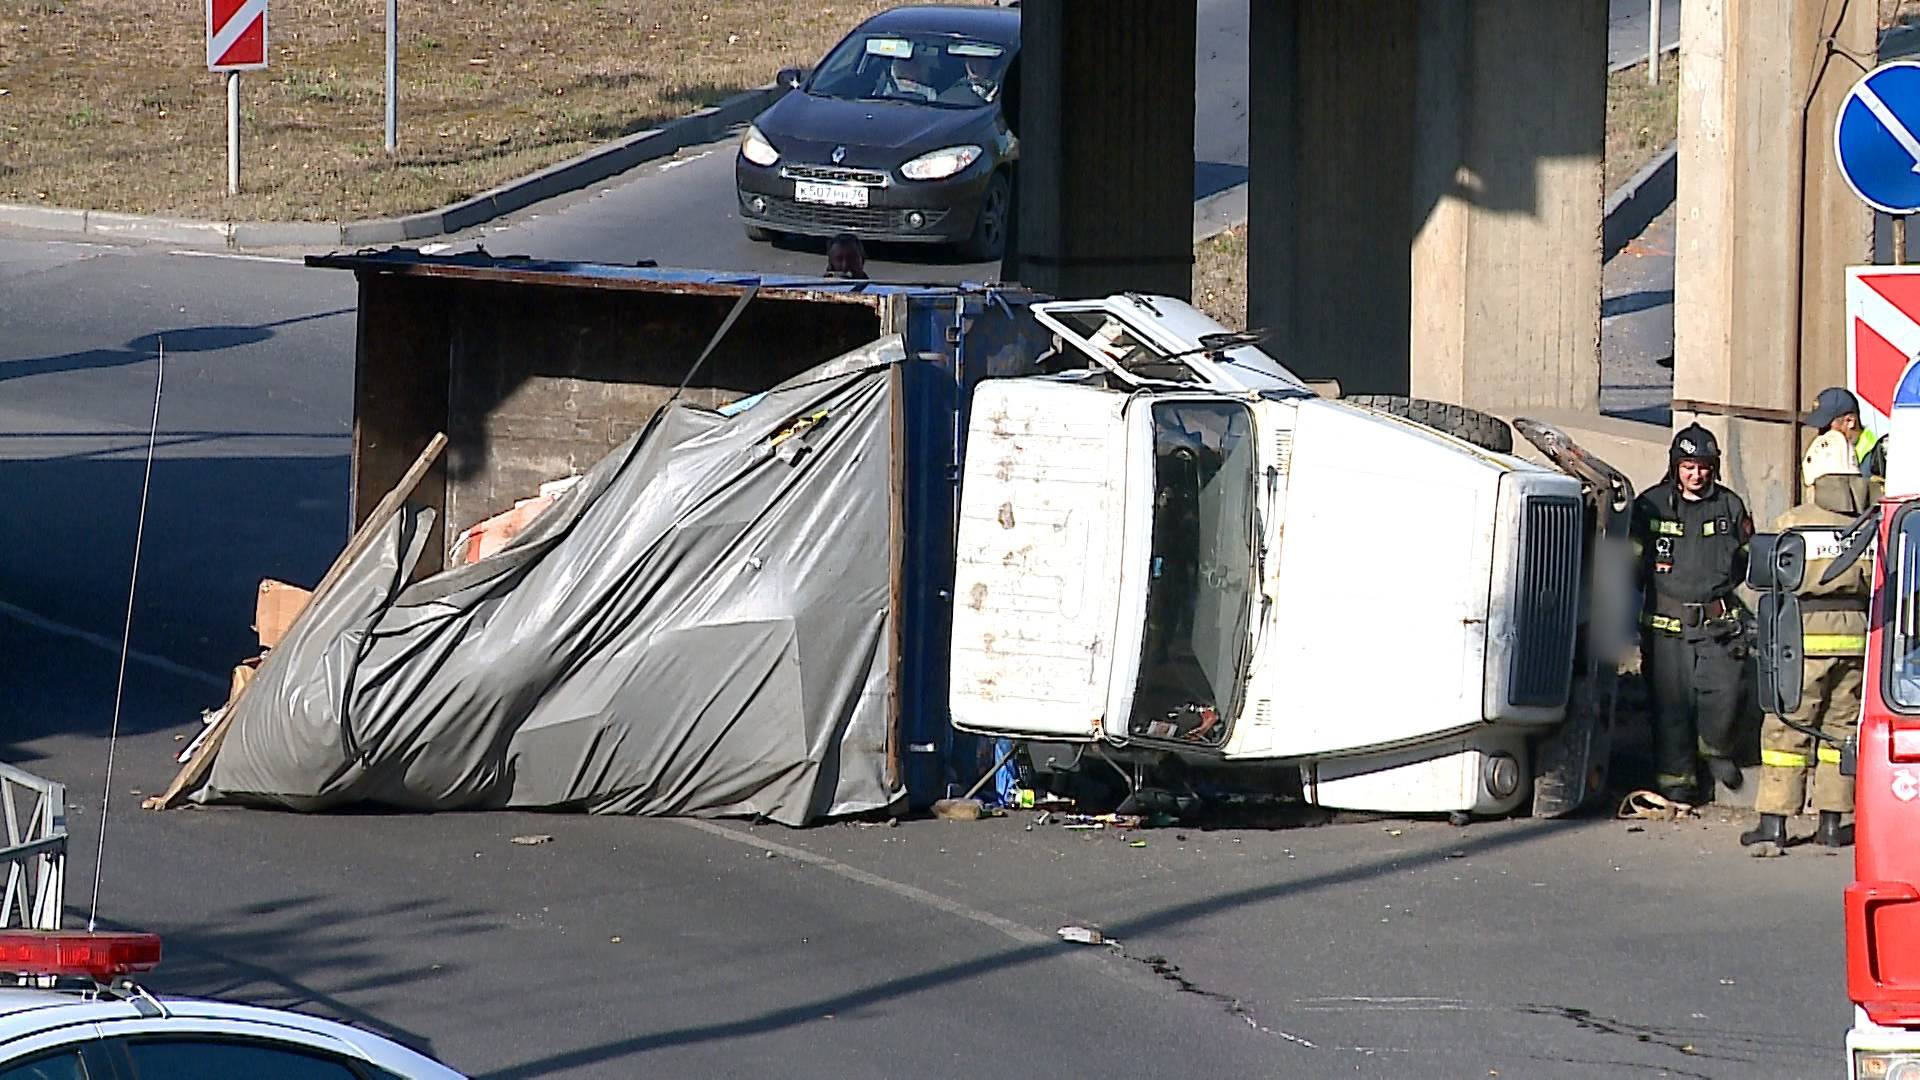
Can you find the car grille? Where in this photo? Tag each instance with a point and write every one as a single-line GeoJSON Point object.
{"type": "Point", "coordinates": [834, 174]}
{"type": "Point", "coordinates": [855, 219]}
{"type": "Point", "coordinates": [1547, 600]}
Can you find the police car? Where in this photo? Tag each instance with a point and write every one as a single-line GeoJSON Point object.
{"type": "Point", "coordinates": [70, 1011]}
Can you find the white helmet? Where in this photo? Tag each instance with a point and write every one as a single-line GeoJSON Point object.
{"type": "Point", "coordinates": [1830, 455]}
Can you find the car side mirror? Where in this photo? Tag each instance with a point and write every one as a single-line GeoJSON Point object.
{"type": "Point", "coordinates": [787, 77]}
{"type": "Point", "coordinates": [1776, 567]}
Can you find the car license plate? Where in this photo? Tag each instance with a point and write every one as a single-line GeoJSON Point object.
{"type": "Point", "coordinates": [809, 191]}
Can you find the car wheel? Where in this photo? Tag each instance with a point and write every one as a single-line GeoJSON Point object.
{"type": "Point", "coordinates": [757, 234]}
{"type": "Point", "coordinates": [989, 239]}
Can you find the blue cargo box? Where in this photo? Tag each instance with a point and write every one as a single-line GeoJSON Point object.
{"type": "Point", "coordinates": [536, 369]}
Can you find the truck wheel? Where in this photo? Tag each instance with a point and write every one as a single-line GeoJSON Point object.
{"type": "Point", "coordinates": [1486, 432]}
{"type": "Point", "coordinates": [757, 234]}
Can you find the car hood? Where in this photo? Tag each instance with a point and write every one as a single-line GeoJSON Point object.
{"type": "Point", "coordinates": [877, 134]}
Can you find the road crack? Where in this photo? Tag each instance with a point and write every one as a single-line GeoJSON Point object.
{"type": "Point", "coordinates": [1170, 972]}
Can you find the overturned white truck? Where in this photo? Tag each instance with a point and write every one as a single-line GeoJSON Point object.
{"type": "Point", "coordinates": [1171, 548]}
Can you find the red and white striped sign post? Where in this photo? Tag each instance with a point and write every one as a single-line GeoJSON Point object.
{"type": "Point", "coordinates": [236, 42]}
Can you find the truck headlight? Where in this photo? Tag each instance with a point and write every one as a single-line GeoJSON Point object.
{"type": "Point", "coordinates": [755, 148]}
{"type": "Point", "coordinates": [1886, 1065]}
{"type": "Point", "coordinates": [940, 164]}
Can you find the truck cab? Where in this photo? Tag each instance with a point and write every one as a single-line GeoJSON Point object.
{"type": "Point", "coordinates": [1171, 547]}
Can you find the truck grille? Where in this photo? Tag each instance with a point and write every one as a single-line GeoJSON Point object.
{"type": "Point", "coordinates": [1547, 601]}
{"type": "Point", "coordinates": [834, 174]}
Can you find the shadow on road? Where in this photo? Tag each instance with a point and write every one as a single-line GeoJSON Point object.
{"type": "Point", "coordinates": [183, 339]}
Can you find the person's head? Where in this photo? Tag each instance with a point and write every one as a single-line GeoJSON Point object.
{"type": "Point", "coordinates": [1693, 460]}
{"type": "Point", "coordinates": [915, 67]}
{"type": "Point", "coordinates": [846, 257]}
{"type": "Point", "coordinates": [1836, 409]}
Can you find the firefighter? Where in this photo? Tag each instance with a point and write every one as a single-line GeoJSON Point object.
{"type": "Point", "coordinates": [1690, 534]}
{"type": "Point", "coordinates": [1834, 642]}
{"type": "Point", "coordinates": [1837, 410]}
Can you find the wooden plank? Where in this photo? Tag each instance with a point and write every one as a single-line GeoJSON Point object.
{"type": "Point", "coordinates": [194, 773]}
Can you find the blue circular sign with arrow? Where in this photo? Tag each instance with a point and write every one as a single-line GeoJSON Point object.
{"type": "Point", "coordinates": [1877, 138]}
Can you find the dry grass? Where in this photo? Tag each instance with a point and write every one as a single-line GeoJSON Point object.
{"type": "Point", "coordinates": [107, 103]}
{"type": "Point", "coordinates": [1220, 278]}
{"type": "Point", "coordinates": [1641, 119]}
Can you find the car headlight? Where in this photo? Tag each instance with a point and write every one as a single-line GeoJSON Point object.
{"type": "Point", "coordinates": [755, 148]}
{"type": "Point", "coordinates": [940, 164]}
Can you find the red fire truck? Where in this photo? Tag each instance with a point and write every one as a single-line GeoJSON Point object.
{"type": "Point", "coordinates": [1883, 902]}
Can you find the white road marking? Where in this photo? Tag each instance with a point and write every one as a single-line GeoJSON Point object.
{"type": "Point", "coordinates": [111, 645]}
{"type": "Point", "coordinates": [192, 254]}
{"type": "Point", "coordinates": [677, 162]}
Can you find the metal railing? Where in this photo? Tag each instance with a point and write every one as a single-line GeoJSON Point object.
{"type": "Point", "coordinates": [35, 855]}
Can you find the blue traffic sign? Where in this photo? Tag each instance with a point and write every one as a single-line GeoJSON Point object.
{"type": "Point", "coordinates": [1875, 138]}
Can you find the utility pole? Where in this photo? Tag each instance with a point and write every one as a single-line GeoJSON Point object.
{"type": "Point", "coordinates": [393, 69]}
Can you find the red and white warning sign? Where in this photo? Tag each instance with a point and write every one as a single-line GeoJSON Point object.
{"type": "Point", "coordinates": [236, 35]}
{"type": "Point", "coordinates": [1883, 334]}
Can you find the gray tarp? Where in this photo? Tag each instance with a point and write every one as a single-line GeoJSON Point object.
{"type": "Point", "coordinates": [700, 626]}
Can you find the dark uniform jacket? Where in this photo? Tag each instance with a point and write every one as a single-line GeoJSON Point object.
{"type": "Point", "coordinates": [1690, 552]}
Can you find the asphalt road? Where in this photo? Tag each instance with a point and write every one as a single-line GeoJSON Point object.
{"type": "Point", "coordinates": [628, 947]}
{"type": "Point", "coordinates": [1627, 28]}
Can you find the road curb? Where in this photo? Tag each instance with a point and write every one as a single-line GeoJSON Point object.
{"type": "Point", "coordinates": [582, 170]}
{"type": "Point", "coordinates": [1615, 69]}
{"type": "Point", "coordinates": [1634, 205]}
{"type": "Point", "coordinates": [1219, 212]}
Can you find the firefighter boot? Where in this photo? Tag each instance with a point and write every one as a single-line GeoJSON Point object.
{"type": "Point", "coordinates": [1771, 830]}
{"type": "Point", "coordinates": [1829, 834]}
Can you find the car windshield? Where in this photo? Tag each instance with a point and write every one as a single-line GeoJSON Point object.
{"type": "Point", "coordinates": [943, 70]}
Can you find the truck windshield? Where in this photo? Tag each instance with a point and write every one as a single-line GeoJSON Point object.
{"type": "Point", "coordinates": [1200, 581]}
{"type": "Point", "coordinates": [1903, 635]}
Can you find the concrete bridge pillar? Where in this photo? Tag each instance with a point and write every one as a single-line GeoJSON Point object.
{"type": "Point", "coordinates": [1425, 195]}
{"type": "Point", "coordinates": [1106, 147]}
{"type": "Point", "coordinates": [1765, 227]}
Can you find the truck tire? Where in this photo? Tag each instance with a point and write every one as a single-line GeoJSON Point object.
{"type": "Point", "coordinates": [1483, 431]}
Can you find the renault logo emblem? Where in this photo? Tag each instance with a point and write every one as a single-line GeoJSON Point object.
{"type": "Point", "coordinates": [839, 154]}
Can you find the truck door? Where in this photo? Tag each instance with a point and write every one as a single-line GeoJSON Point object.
{"type": "Point", "coordinates": [1039, 559]}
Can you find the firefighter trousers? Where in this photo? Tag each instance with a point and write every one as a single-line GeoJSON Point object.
{"type": "Point", "coordinates": [1829, 702]}
{"type": "Point", "coordinates": [1694, 688]}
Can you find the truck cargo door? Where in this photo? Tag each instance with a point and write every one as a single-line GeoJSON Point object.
{"type": "Point", "coordinates": [1038, 564]}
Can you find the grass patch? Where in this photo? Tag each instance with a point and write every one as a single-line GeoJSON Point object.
{"type": "Point", "coordinates": [1220, 278]}
{"type": "Point", "coordinates": [1641, 119]}
{"type": "Point", "coordinates": [489, 90]}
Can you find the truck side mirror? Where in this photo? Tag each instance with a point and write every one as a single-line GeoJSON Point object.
{"type": "Point", "coordinates": [1776, 567]}
{"type": "Point", "coordinates": [1777, 562]}
{"type": "Point", "coordinates": [787, 77]}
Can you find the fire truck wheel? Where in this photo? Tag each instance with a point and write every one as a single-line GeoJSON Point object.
{"type": "Point", "coordinates": [1486, 432]}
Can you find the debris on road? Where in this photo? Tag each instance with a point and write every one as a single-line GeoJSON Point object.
{"type": "Point", "coordinates": [1084, 935]}
{"type": "Point", "coordinates": [532, 839]}
{"type": "Point", "coordinates": [958, 809]}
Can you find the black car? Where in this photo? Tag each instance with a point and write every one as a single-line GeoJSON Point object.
{"type": "Point", "coordinates": [897, 135]}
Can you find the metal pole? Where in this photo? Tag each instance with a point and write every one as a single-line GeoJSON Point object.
{"type": "Point", "coordinates": [233, 133]}
{"type": "Point", "coordinates": [393, 68]}
{"type": "Point", "coordinates": [1900, 240]}
{"type": "Point", "coordinates": [1653, 44]}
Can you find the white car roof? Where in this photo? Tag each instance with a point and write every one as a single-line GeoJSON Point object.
{"type": "Point", "coordinates": [26, 1013]}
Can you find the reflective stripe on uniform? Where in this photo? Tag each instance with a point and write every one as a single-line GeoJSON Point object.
{"type": "Point", "coordinates": [1667, 779]}
{"type": "Point", "coordinates": [1664, 623]}
{"type": "Point", "coordinates": [1863, 445]}
{"type": "Point", "coordinates": [1668, 528]}
{"type": "Point", "coordinates": [1831, 644]}
{"type": "Point", "coordinates": [1829, 755]}
{"type": "Point", "coordinates": [1784, 759]}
